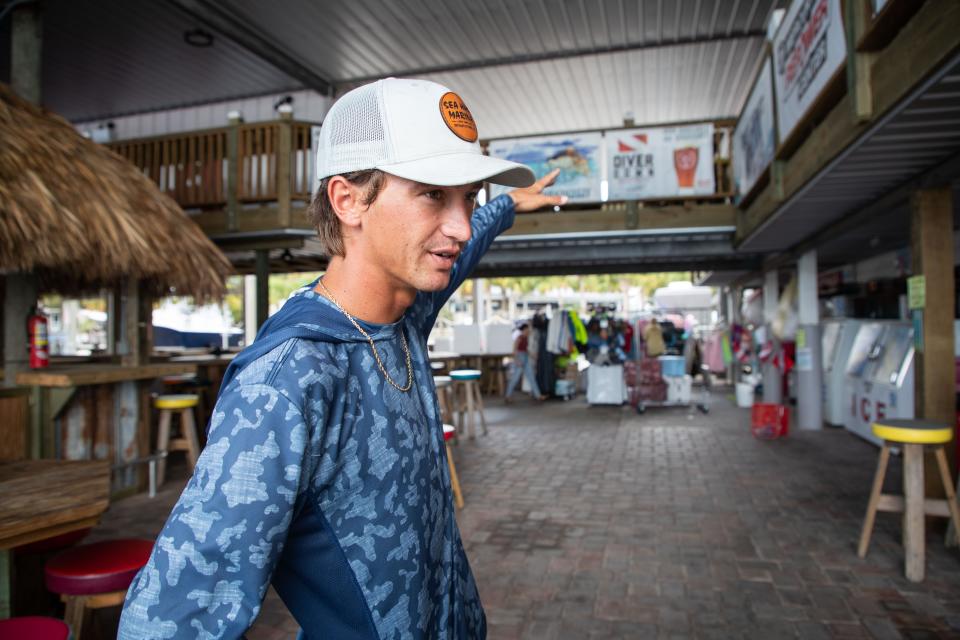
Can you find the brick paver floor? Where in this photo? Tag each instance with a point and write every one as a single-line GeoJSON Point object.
{"type": "Point", "coordinates": [595, 522]}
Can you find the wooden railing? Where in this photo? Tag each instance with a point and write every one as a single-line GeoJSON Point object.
{"type": "Point", "coordinates": [269, 162]}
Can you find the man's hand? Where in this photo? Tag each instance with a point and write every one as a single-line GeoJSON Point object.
{"type": "Point", "coordinates": [532, 198]}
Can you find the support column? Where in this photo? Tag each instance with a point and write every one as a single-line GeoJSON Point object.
{"type": "Point", "coordinates": [932, 258]}
{"type": "Point", "coordinates": [20, 296]}
{"type": "Point", "coordinates": [249, 309]}
{"type": "Point", "coordinates": [772, 377]}
{"type": "Point", "coordinates": [26, 40]}
{"type": "Point", "coordinates": [263, 286]}
{"type": "Point", "coordinates": [20, 290]}
{"type": "Point", "coordinates": [732, 318]}
{"type": "Point", "coordinates": [809, 356]}
{"type": "Point", "coordinates": [478, 301]}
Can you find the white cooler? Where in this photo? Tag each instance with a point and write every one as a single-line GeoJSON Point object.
{"type": "Point", "coordinates": [605, 385]}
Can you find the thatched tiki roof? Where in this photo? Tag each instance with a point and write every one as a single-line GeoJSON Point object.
{"type": "Point", "coordinates": [81, 217]}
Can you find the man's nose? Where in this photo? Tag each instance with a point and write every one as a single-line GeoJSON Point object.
{"type": "Point", "coordinates": [456, 223]}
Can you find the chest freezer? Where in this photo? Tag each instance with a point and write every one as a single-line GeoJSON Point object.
{"type": "Point", "coordinates": [879, 377]}
{"type": "Point", "coordinates": [837, 343]}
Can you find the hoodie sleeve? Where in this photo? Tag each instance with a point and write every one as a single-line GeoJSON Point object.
{"type": "Point", "coordinates": [211, 565]}
{"type": "Point", "coordinates": [486, 224]}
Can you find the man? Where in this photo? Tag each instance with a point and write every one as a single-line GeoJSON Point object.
{"type": "Point", "coordinates": [324, 471]}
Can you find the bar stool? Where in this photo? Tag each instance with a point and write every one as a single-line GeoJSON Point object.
{"type": "Point", "coordinates": [913, 436]}
{"type": "Point", "coordinates": [444, 386]}
{"type": "Point", "coordinates": [181, 404]}
{"type": "Point", "coordinates": [450, 433]}
{"type": "Point", "coordinates": [34, 628]}
{"type": "Point", "coordinates": [466, 383]}
{"type": "Point", "coordinates": [497, 378]}
{"type": "Point", "coordinates": [94, 576]}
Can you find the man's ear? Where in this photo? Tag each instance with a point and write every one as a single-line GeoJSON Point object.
{"type": "Point", "coordinates": [346, 200]}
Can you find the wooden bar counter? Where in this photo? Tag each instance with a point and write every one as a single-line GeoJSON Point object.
{"type": "Point", "coordinates": [46, 498]}
{"type": "Point", "coordinates": [98, 411]}
{"type": "Point", "coordinates": [86, 374]}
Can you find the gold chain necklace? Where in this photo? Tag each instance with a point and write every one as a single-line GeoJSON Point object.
{"type": "Point", "coordinates": [403, 341]}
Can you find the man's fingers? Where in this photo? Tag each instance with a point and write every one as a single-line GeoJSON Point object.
{"type": "Point", "coordinates": [546, 180]}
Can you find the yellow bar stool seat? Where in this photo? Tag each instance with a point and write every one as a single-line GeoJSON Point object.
{"type": "Point", "coordinates": [181, 405]}
{"type": "Point", "coordinates": [468, 400]}
{"type": "Point", "coordinates": [912, 436]}
{"type": "Point", "coordinates": [913, 431]}
{"type": "Point", "coordinates": [177, 401]}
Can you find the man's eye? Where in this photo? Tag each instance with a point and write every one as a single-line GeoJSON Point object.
{"type": "Point", "coordinates": [436, 194]}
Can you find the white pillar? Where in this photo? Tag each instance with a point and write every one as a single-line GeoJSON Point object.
{"type": "Point", "coordinates": [478, 302]}
{"type": "Point", "coordinates": [249, 309]}
{"type": "Point", "coordinates": [809, 368]}
{"type": "Point", "coordinates": [772, 377]}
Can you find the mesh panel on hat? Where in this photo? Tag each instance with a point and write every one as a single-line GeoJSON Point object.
{"type": "Point", "coordinates": [352, 137]}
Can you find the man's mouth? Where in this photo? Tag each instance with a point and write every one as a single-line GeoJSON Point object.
{"type": "Point", "coordinates": [445, 258]}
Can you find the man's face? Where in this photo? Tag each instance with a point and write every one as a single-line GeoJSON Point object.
{"type": "Point", "coordinates": [415, 232]}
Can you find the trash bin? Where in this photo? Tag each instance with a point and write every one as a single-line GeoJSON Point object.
{"type": "Point", "coordinates": [744, 395]}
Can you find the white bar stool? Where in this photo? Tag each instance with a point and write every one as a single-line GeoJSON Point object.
{"type": "Point", "coordinates": [181, 404]}
{"type": "Point", "coordinates": [466, 383]}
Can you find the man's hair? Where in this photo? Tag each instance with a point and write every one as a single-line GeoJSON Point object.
{"type": "Point", "coordinates": [324, 218]}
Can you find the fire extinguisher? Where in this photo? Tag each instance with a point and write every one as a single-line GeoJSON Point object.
{"type": "Point", "coordinates": [38, 340]}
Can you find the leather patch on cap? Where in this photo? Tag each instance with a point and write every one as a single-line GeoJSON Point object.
{"type": "Point", "coordinates": [456, 115]}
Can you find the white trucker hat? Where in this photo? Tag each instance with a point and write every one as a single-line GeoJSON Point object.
{"type": "Point", "coordinates": [413, 129]}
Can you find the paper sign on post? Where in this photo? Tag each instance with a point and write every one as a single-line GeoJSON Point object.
{"type": "Point", "coordinates": [917, 292]}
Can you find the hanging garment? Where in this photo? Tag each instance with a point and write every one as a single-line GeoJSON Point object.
{"type": "Point", "coordinates": [653, 336]}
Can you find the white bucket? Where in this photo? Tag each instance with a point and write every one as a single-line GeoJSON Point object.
{"type": "Point", "coordinates": [744, 395]}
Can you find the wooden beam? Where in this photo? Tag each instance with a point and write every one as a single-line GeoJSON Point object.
{"type": "Point", "coordinates": [923, 44]}
{"type": "Point", "coordinates": [858, 62]}
{"type": "Point", "coordinates": [215, 222]}
{"type": "Point", "coordinates": [623, 217]}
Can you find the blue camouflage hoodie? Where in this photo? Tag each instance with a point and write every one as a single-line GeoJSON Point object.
{"type": "Point", "coordinates": [323, 479]}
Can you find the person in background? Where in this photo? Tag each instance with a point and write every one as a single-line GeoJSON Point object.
{"type": "Point", "coordinates": [522, 366]}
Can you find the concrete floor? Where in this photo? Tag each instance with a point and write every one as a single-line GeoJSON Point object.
{"type": "Point", "coordinates": [596, 522]}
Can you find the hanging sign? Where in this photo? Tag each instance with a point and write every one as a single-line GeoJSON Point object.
{"type": "Point", "coordinates": [754, 139]}
{"type": "Point", "coordinates": [917, 292]}
{"type": "Point", "coordinates": [809, 47]}
{"type": "Point", "coordinates": [578, 156]}
{"type": "Point", "coordinates": [662, 162]}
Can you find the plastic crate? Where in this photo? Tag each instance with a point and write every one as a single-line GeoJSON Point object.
{"type": "Point", "coordinates": [673, 366]}
{"type": "Point", "coordinates": [769, 421]}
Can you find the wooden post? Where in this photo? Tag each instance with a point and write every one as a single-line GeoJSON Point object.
{"type": "Point", "coordinates": [284, 151]}
{"type": "Point", "coordinates": [135, 311]}
{"type": "Point", "coordinates": [233, 169]}
{"type": "Point", "coordinates": [932, 248]}
{"type": "Point", "coordinates": [263, 286]}
{"type": "Point", "coordinates": [859, 64]}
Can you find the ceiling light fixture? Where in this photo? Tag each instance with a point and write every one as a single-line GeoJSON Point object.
{"type": "Point", "coordinates": [198, 38]}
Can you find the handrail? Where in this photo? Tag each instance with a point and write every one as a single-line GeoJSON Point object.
{"type": "Point", "coordinates": [193, 167]}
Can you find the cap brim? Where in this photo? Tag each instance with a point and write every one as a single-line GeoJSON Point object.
{"type": "Point", "coordinates": [455, 169]}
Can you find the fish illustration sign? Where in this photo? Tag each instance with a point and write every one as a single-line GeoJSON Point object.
{"type": "Point", "coordinates": [660, 163]}
{"type": "Point", "coordinates": [577, 156]}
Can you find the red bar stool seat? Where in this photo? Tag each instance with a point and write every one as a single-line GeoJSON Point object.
{"type": "Point", "coordinates": [34, 628]}
{"type": "Point", "coordinates": [93, 576]}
